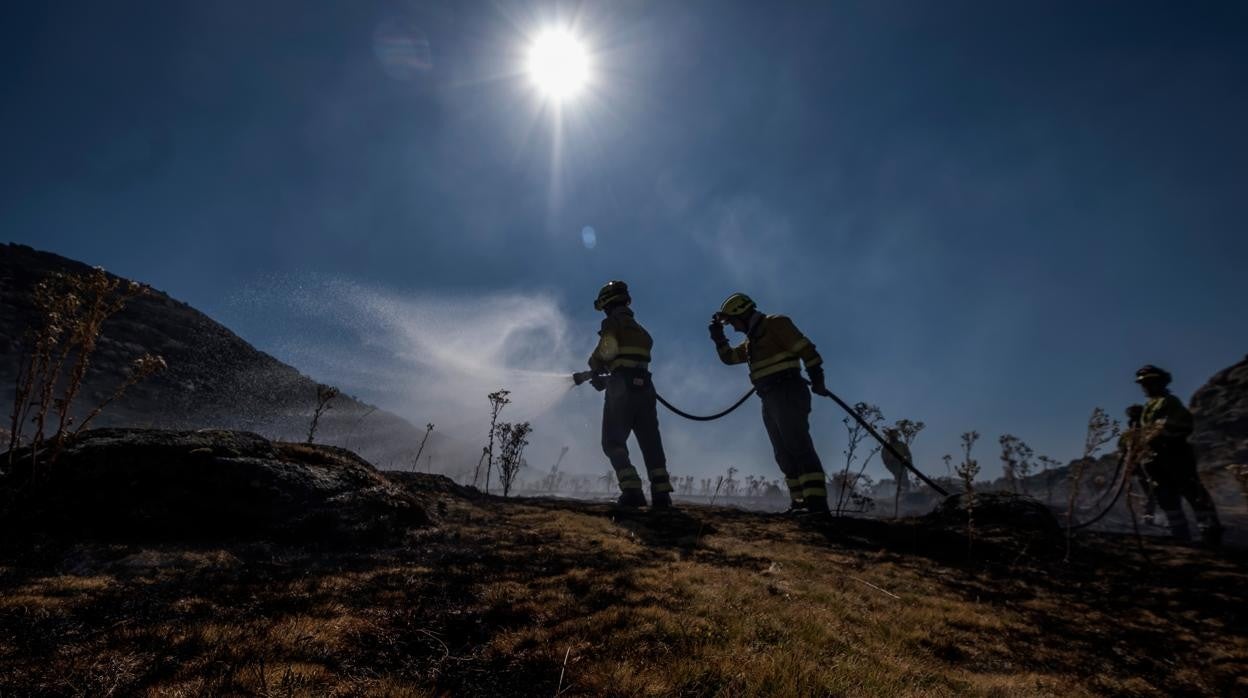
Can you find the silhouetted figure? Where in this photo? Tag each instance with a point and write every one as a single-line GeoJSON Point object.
{"type": "Point", "coordinates": [1169, 460]}
{"type": "Point", "coordinates": [623, 352]}
{"type": "Point", "coordinates": [775, 350]}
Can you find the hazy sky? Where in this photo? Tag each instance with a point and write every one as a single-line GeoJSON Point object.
{"type": "Point", "coordinates": [986, 215]}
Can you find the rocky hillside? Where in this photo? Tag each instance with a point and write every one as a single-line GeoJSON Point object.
{"type": "Point", "coordinates": [215, 379]}
{"type": "Point", "coordinates": [1221, 411]}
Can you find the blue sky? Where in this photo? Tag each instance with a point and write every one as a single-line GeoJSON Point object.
{"type": "Point", "coordinates": [986, 215]}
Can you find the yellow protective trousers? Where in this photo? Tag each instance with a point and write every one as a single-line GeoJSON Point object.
{"type": "Point", "coordinates": [630, 406]}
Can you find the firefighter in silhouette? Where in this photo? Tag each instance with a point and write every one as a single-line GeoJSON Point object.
{"type": "Point", "coordinates": [620, 365]}
{"type": "Point", "coordinates": [1168, 459]}
{"type": "Point", "coordinates": [775, 349]}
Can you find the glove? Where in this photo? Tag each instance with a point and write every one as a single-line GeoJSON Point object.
{"type": "Point", "coordinates": [599, 383]}
{"type": "Point", "coordinates": [816, 382]}
{"type": "Point", "coordinates": [717, 331]}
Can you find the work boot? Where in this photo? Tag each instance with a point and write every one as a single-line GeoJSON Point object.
{"type": "Point", "coordinates": [796, 508]}
{"type": "Point", "coordinates": [1177, 523]}
{"type": "Point", "coordinates": [631, 499]}
{"type": "Point", "coordinates": [660, 500]}
{"type": "Point", "coordinates": [1211, 536]}
{"type": "Point", "coordinates": [817, 505]}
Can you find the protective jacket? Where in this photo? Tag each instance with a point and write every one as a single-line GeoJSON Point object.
{"type": "Point", "coordinates": [630, 406]}
{"type": "Point", "coordinates": [773, 345]}
{"type": "Point", "coordinates": [1170, 464]}
{"type": "Point", "coordinates": [775, 350]}
{"type": "Point", "coordinates": [1171, 413]}
{"type": "Point", "coordinates": [622, 343]}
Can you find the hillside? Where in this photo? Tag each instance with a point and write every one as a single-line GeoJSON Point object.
{"type": "Point", "coordinates": [487, 597]}
{"type": "Point", "coordinates": [215, 379]}
{"type": "Point", "coordinates": [1221, 411]}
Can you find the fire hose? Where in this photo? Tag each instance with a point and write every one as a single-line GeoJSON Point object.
{"type": "Point", "coordinates": [709, 418]}
{"type": "Point", "coordinates": [582, 377]}
{"type": "Point", "coordinates": [1118, 491]}
{"type": "Point", "coordinates": [1123, 484]}
{"type": "Point", "coordinates": [1122, 487]}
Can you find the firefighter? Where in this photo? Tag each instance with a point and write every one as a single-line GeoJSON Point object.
{"type": "Point", "coordinates": [1168, 458]}
{"type": "Point", "coordinates": [620, 365]}
{"type": "Point", "coordinates": [890, 461]}
{"type": "Point", "coordinates": [775, 351]}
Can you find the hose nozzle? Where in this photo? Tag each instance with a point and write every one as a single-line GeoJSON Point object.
{"type": "Point", "coordinates": [582, 377]}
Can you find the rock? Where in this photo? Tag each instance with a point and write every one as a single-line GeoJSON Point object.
{"type": "Point", "coordinates": [1221, 411]}
{"type": "Point", "coordinates": [157, 484]}
{"type": "Point", "coordinates": [423, 484]}
{"type": "Point", "coordinates": [1002, 510]}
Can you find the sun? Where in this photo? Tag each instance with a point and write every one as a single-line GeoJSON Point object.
{"type": "Point", "coordinates": [558, 64]}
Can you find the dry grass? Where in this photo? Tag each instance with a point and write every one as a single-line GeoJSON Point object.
{"type": "Point", "coordinates": [56, 356]}
{"type": "Point", "coordinates": [700, 602]}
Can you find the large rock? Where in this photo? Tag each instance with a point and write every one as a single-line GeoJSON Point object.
{"type": "Point", "coordinates": [204, 484]}
{"type": "Point", "coordinates": [1221, 411]}
{"type": "Point", "coordinates": [1003, 511]}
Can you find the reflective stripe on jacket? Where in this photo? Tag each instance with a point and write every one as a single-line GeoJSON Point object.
{"type": "Point", "coordinates": [1169, 410]}
{"type": "Point", "coordinates": [773, 345]}
{"type": "Point", "coordinates": [622, 343]}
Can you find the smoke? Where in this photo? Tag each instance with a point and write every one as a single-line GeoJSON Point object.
{"type": "Point", "coordinates": [434, 357]}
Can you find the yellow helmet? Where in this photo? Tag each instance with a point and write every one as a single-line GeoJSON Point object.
{"type": "Point", "coordinates": [612, 293]}
{"type": "Point", "coordinates": [737, 305]}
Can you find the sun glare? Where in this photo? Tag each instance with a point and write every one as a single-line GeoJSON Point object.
{"type": "Point", "coordinates": [558, 64]}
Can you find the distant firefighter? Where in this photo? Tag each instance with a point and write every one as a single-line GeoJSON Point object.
{"type": "Point", "coordinates": [775, 350]}
{"type": "Point", "coordinates": [897, 467]}
{"type": "Point", "coordinates": [620, 364]}
{"type": "Point", "coordinates": [1168, 458]}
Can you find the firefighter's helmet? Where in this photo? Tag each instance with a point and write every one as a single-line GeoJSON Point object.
{"type": "Point", "coordinates": [1152, 373]}
{"type": "Point", "coordinates": [612, 293]}
{"type": "Point", "coordinates": [737, 305]}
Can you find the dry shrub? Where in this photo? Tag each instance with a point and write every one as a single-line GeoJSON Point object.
{"type": "Point", "coordinates": [421, 448]}
{"type": "Point", "coordinates": [512, 439]}
{"type": "Point", "coordinates": [72, 309]}
{"type": "Point", "coordinates": [498, 400]}
{"type": "Point", "coordinates": [1016, 458]}
{"type": "Point", "coordinates": [325, 394]}
{"type": "Point", "coordinates": [967, 471]}
{"type": "Point", "coordinates": [1101, 431]}
{"type": "Point", "coordinates": [845, 482]}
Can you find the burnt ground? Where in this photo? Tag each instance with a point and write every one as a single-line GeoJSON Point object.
{"type": "Point", "coordinates": [546, 597]}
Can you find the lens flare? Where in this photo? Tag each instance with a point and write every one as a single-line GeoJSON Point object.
{"type": "Point", "coordinates": [402, 51]}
